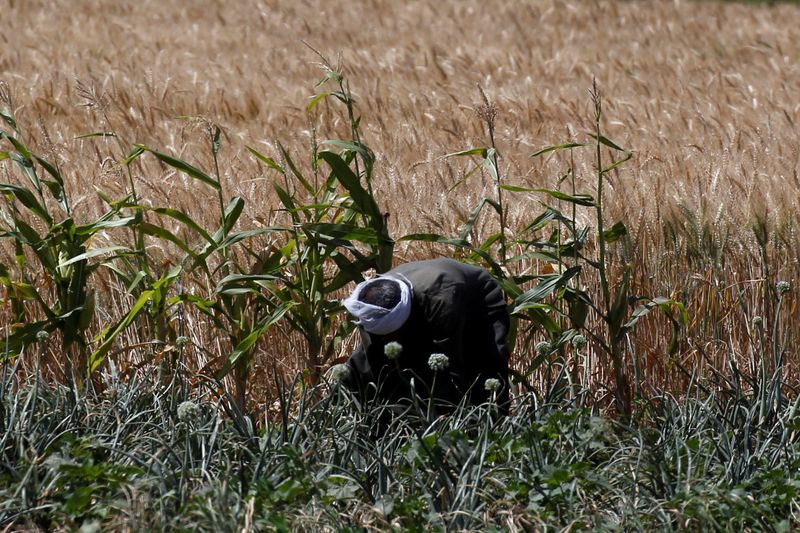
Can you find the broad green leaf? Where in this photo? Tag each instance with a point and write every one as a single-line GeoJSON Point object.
{"type": "Point", "coordinates": [614, 233]}
{"type": "Point", "coordinates": [342, 232]}
{"type": "Point", "coordinates": [231, 215]}
{"type": "Point", "coordinates": [9, 120]}
{"type": "Point", "coordinates": [182, 217]}
{"type": "Point", "coordinates": [91, 229]}
{"type": "Point", "coordinates": [266, 160]}
{"type": "Point", "coordinates": [27, 199]}
{"type": "Point", "coordinates": [184, 167]}
{"type": "Point", "coordinates": [295, 171]}
{"type": "Point", "coordinates": [606, 141]}
{"type": "Point", "coordinates": [547, 287]}
{"type": "Point", "coordinates": [360, 148]}
{"type": "Point", "coordinates": [364, 202]}
{"type": "Point", "coordinates": [481, 151]}
{"type": "Point", "coordinates": [579, 199]}
{"type": "Point", "coordinates": [495, 267]}
{"type": "Point", "coordinates": [135, 153]}
{"type": "Point", "coordinates": [316, 99]}
{"type": "Point", "coordinates": [241, 351]}
{"type": "Point", "coordinates": [97, 134]}
{"type": "Point", "coordinates": [93, 253]}
{"type": "Point", "coordinates": [466, 229]}
{"type": "Point", "coordinates": [99, 355]}
{"type": "Point", "coordinates": [565, 146]}
{"type": "Point", "coordinates": [615, 164]}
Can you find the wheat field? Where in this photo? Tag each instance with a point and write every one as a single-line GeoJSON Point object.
{"type": "Point", "coordinates": [703, 93]}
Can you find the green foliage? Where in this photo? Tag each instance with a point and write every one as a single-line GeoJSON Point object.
{"type": "Point", "coordinates": [554, 302]}
{"type": "Point", "coordinates": [49, 286]}
{"type": "Point", "coordinates": [144, 456]}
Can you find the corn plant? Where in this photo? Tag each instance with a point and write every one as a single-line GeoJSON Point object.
{"type": "Point", "coordinates": [48, 287]}
{"type": "Point", "coordinates": [336, 232]}
{"type": "Point", "coordinates": [557, 303]}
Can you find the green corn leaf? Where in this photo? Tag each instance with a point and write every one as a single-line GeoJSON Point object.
{"type": "Point", "coordinates": [97, 134]}
{"type": "Point", "coordinates": [244, 283]}
{"type": "Point", "coordinates": [481, 151]}
{"type": "Point", "coordinates": [287, 201]}
{"type": "Point", "coordinates": [135, 153]}
{"type": "Point", "coordinates": [316, 99]}
{"type": "Point", "coordinates": [231, 215]}
{"type": "Point", "coordinates": [8, 119]}
{"type": "Point", "coordinates": [93, 253]}
{"type": "Point", "coordinates": [547, 287]}
{"type": "Point", "coordinates": [603, 140]}
{"type": "Point", "coordinates": [24, 290]}
{"type": "Point", "coordinates": [487, 162]}
{"type": "Point", "coordinates": [495, 267]}
{"type": "Point", "coordinates": [241, 351]}
{"type": "Point", "coordinates": [617, 163]}
{"type": "Point", "coordinates": [342, 232]}
{"type": "Point", "coordinates": [579, 199]}
{"type": "Point", "coordinates": [360, 148]}
{"type": "Point", "coordinates": [565, 146]}
{"type": "Point", "coordinates": [27, 199]}
{"type": "Point", "coordinates": [546, 217]}
{"type": "Point", "coordinates": [266, 160]}
{"type": "Point", "coordinates": [247, 234]}
{"type": "Point", "coordinates": [295, 171]}
{"type": "Point", "coordinates": [615, 232]}
{"type": "Point", "coordinates": [15, 343]}
{"type": "Point", "coordinates": [185, 219]}
{"type": "Point", "coordinates": [184, 167]}
{"type": "Point", "coordinates": [99, 355]}
{"type": "Point", "coordinates": [466, 229]}
{"type": "Point", "coordinates": [91, 229]}
{"type": "Point", "coordinates": [364, 202]}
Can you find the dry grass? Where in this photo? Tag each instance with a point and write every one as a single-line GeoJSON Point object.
{"type": "Point", "coordinates": [704, 93]}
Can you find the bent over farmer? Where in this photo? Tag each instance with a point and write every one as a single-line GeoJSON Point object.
{"type": "Point", "coordinates": [437, 326]}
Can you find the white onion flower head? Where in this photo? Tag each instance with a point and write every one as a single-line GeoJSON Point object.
{"type": "Point", "coordinates": [438, 361]}
{"type": "Point", "coordinates": [42, 335]}
{"type": "Point", "coordinates": [542, 347]}
{"type": "Point", "coordinates": [339, 372]}
{"type": "Point", "coordinates": [91, 526]}
{"type": "Point", "coordinates": [782, 287]}
{"type": "Point", "coordinates": [579, 342]}
{"type": "Point", "coordinates": [757, 321]}
{"type": "Point", "coordinates": [189, 412]}
{"type": "Point", "coordinates": [492, 384]}
{"type": "Point", "coordinates": [393, 349]}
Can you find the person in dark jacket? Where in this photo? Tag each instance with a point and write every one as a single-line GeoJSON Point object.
{"type": "Point", "coordinates": [437, 326]}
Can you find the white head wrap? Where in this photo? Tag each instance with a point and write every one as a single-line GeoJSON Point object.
{"type": "Point", "coordinates": [374, 318]}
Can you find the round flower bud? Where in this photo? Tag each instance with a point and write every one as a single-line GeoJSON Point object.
{"type": "Point", "coordinates": [339, 372]}
{"type": "Point", "coordinates": [393, 350]}
{"type": "Point", "coordinates": [189, 412]}
{"type": "Point", "coordinates": [757, 321]}
{"type": "Point", "coordinates": [492, 384]}
{"type": "Point", "coordinates": [579, 342]}
{"type": "Point", "coordinates": [542, 348]}
{"type": "Point", "coordinates": [438, 361]}
{"type": "Point", "coordinates": [782, 287]}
